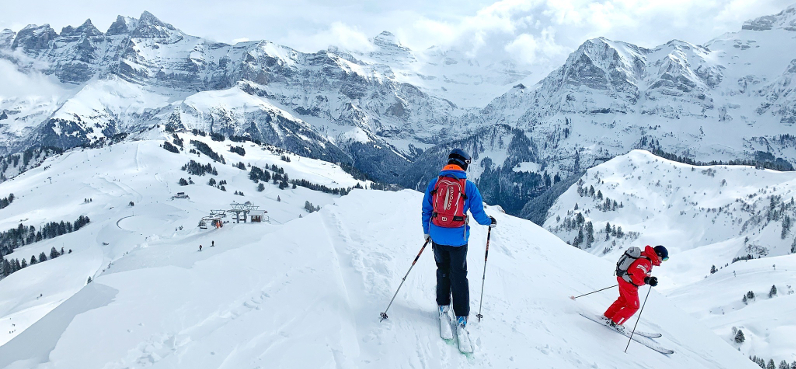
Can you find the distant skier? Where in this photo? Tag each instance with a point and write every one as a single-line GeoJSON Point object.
{"type": "Point", "coordinates": [445, 206]}
{"type": "Point", "coordinates": [212, 243]}
{"type": "Point", "coordinates": [200, 247]}
{"type": "Point", "coordinates": [633, 270]}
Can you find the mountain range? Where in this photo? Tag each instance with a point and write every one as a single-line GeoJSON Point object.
{"type": "Point", "coordinates": [390, 113]}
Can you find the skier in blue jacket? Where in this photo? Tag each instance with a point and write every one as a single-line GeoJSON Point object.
{"type": "Point", "coordinates": [450, 243]}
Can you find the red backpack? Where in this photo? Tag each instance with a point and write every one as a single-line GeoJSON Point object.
{"type": "Point", "coordinates": [448, 200]}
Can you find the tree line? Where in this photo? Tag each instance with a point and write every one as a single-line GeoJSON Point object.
{"type": "Point", "coordinates": [24, 235]}
{"type": "Point", "coordinates": [10, 266]}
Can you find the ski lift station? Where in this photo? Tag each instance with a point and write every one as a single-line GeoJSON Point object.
{"type": "Point", "coordinates": [246, 212]}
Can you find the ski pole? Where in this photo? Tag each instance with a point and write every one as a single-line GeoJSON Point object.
{"type": "Point", "coordinates": [384, 314]}
{"type": "Point", "coordinates": [637, 319]}
{"type": "Point", "coordinates": [486, 256]}
{"type": "Point", "coordinates": [586, 294]}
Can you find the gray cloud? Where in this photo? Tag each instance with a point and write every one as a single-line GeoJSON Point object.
{"type": "Point", "coordinates": [16, 84]}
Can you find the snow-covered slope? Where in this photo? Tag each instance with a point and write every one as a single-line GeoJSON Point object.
{"type": "Point", "coordinates": [293, 293]}
{"type": "Point", "coordinates": [738, 210]}
{"type": "Point", "coordinates": [767, 322]}
{"type": "Point", "coordinates": [708, 216]}
{"type": "Point", "coordinates": [145, 174]}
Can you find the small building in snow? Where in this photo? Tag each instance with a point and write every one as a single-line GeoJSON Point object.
{"type": "Point", "coordinates": [257, 216]}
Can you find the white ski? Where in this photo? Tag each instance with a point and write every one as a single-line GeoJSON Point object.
{"type": "Point", "coordinates": [646, 341]}
{"type": "Point", "coordinates": [445, 330]}
{"type": "Point", "coordinates": [463, 336]}
{"type": "Point", "coordinates": [599, 319]}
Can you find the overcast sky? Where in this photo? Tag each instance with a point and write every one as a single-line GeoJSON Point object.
{"type": "Point", "coordinates": [532, 32]}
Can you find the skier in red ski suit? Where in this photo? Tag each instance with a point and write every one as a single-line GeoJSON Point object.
{"type": "Point", "coordinates": [638, 274]}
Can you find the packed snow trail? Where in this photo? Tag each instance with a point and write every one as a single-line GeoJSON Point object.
{"type": "Point", "coordinates": [309, 294]}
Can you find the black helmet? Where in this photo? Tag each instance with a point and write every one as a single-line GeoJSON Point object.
{"type": "Point", "coordinates": [460, 158]}
{"type": "Point", "coordinates": [662, 252]}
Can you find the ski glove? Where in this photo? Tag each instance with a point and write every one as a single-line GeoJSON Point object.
{"type": "Point", "coordinates": [427, 237]}
{"type": "Point", "coordinates": [494, 222]}
{"type": "Point", "coordinates": [652, 281]}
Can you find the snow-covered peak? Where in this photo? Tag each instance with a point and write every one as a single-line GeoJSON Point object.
{"type": "Point", "coordinates": [386, 38]}
{"type": "Point", "coordinates": [785, 20]}
{"type": "Point", "coordinates": [34, 37]}
{"type": "Point", "coordinates": [122, 25]}
{"type": "Point", "coordinates": [87, 28]}
{"type": "Point", "coordinates": [150, 26]}
{"type": "Point", "coordinates": [6, 38]}
{"type": "Point", "coordinates": [389, 51]}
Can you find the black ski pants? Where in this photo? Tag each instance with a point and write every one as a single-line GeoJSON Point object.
{"type": "Point", "coordinates": [452, 277]}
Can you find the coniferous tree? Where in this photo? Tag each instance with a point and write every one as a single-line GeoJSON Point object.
{"type": "Point", "coordinates": [578, 239]}
{"type": "Point", "coordinates": [589, 234]}
{"type": "Point", "coordinates": [89, 280]}
{"type": "Point", "coordinates": [713, 269]}
{"type": "Point", "coordinates": [42, 257]}
{"type": "Point", "coordinates": [260, 187]}
{"type": "Point", "coordinates": [54, 253]}
{"type": "Point", "coordinates": [739, 338]}
{"type": "Point", "coordinates": [773, 291]}
{"type": "Point", "coordinates": [279, 199]}
{"type": "Point", "coordinates": [33, 259]}
{"type": "Point", "coordinates": [784, 365]}
{"type": "Point", "coordinates": [771, 364]}
{"type": "Point", "coordinates": [750, 295]}
{"type": "Point", "coordinates": [5, 268]}
{"type": "Point", "coordinates": [745, 300]}
{"type": "Point", "coordinates": [23, 264]}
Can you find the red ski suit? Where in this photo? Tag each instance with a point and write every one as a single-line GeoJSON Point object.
{"type": "Point", "coordinates": [627, 304]}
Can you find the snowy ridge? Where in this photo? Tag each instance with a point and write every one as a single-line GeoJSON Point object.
{"type": "Point", "coordinates": [708, 217]}
{"type": "Point", "coordinates": [306, 293]}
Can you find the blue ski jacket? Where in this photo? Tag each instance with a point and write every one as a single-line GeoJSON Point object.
{"type": "Point", "coordinates": [474, 203]}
